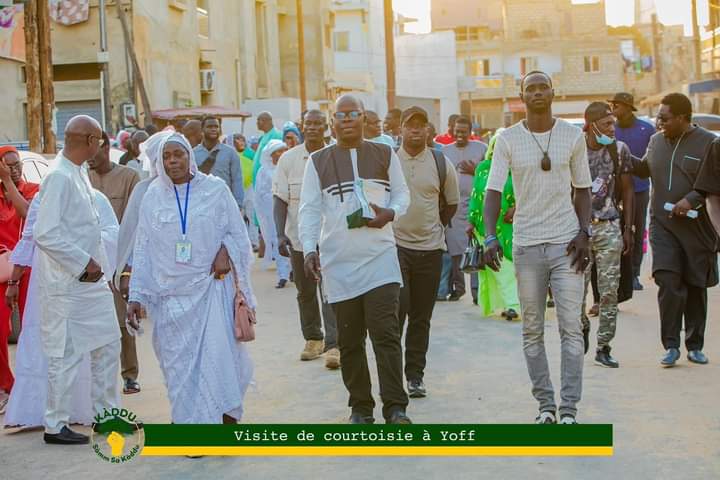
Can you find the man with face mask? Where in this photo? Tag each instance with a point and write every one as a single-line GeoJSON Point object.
{"type": "Point", "coordinates": [610, 167]}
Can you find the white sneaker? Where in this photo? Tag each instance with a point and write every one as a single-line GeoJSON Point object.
{"type": "Point", "coordinates": [568, 420]}
{"type": "Point", "coordinates": [545, 418]}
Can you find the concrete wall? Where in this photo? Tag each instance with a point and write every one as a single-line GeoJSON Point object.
{"type": "Point", "coordinates": [426, 71]}
{"type": "Point", "coordinates": [12, 122]}
{"type": "Point", "coordinates": [448, 14]}
{"type": "Point", "coordinates": [314, 14]}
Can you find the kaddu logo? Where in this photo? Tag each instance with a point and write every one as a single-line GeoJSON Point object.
{"type": "Point", "coordinates": [117, 436]}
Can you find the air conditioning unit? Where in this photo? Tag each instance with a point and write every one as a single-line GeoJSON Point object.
{"type": "Point", "coordinates": [207, 80]}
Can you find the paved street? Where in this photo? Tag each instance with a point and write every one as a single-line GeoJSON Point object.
{"type": "Point", "coordinates": [666, 421]}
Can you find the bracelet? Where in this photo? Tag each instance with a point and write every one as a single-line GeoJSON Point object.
{"type": "Point", "coordinates": [489, 239]}
{"type": "Point", "coordinates": [125, 274]}
{"type": "Point", "coordinates": [13, 283]}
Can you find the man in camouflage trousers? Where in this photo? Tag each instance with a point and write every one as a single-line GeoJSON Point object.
{"type": "Point", "coordinates": [610, 166]}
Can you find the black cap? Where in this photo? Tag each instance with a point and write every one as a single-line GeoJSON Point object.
{"type": "Point", "coordinates": [408, 113]}
{"type": "Point", "coordinates": [624, 98]}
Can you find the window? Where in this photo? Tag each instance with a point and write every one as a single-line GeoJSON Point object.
{"type": "Point", "coordinates": [180, 5]}
{"type": "Point", "coordinates": [463, 34]}
{"type": "Point", "coordinates": [477, 68]}
{"type": "Point", "coordinates": [341, 41]}
{"type": "Point", "coordinates": [527, 64]}
{"type": "Point", "coordinates": [592, 63]}
{"type": "Point", "coordinates": [203, 18]}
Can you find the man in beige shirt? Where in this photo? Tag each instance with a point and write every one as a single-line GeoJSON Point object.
{"type": "Point", "coordinates": [117, 183]}
{"type": "Point", "coordinates": [287, 184]}
{"type": "Point", "coordinates": [420, 237]}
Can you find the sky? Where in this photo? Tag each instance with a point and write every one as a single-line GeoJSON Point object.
{"type": "Point", "coordinates": [618, 12]}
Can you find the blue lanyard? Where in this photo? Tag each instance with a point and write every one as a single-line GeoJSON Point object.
{"type": "Point", "coordinates": [183, 215]}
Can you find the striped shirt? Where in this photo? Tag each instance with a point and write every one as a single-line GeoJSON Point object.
{"type": "Point", "coordinates": [354, 260]}
{"type": "Point", "coordinates": [544, 208]}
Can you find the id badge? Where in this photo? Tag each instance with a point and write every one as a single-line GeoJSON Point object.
{"type": "Point", "coordinates": [183, 252]}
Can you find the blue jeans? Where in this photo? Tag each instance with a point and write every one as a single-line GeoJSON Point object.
{"type": "Point", "coordinates": [536, 268]}
{"type": "Point", "coordinates": [444, 289]}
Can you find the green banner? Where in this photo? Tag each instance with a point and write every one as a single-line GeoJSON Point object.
{"type": "Point", "coordinates": [327, 435]}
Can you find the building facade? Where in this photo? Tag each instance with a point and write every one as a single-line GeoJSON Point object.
{"type": "Point", "coordinates": [572, 45]}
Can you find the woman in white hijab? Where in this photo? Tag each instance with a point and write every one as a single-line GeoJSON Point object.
{"type": "Point", "coordinates": [185, 218]}
{"type": "Point", "coordinates": [264, 210]}
{"type": "Point", "coordinates": [26, 407]}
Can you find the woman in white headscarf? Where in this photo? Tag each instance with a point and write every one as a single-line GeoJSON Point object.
{"type": "Point", "coordinates": [28, 400]}
{"type": "Point", "coordinates": [185, 218]}
{"type": "Point", "coordinates": [264, 210]}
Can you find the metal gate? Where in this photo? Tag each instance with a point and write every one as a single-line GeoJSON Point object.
{"type": "Point", "coordinates": [67, 110]}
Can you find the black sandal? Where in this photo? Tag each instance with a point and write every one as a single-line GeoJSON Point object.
{"type": "Point", "coordinates": [131, 386]}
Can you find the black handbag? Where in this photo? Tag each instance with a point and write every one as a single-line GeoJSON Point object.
{"type": "Point", "coordinates": [472, 258]}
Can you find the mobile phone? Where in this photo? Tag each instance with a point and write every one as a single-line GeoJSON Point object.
{"type": "Point", "coordinates": [690, 213]}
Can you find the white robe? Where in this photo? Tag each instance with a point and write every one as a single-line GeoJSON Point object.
{"type": "Point", "coordinates": [206, 370]}
{"type": "Point", "coordinates": [27, 403]}
{"type": "Point", "coordinates": [264, 211]}
{"type": "Point", "coordinates": [68, 234]}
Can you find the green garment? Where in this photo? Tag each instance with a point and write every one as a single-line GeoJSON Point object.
{"type": "Point", "coordinates": [273, 134]}
{"type": "Point", "coordinates": [477, 200]}
{"type": "Point", "coordinates": [497, 291]}
{"type": "Point", "coordinates": [247, 163]}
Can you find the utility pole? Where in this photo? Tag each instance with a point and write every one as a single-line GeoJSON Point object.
{"type": "Point", "coordinates": [137, 75]}
{"type": "Point", "coordinates": [103, 57]}
{"type": "Point", "coordinates": [657, 54]}
{"type": "Point", "coordinates": [389, 53]}
{"type": "Point", "coordinates": [301, 54]}
{"type": "Point", "coordinates": [32, 77]}
{"type": "Point", "coordinates": [47, 89]}
{"type": "Point", "coordinates": [696, 41]}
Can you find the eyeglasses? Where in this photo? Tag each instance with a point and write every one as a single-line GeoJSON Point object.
{"type": "Point", "coordinates": [352, 115]}
{"type": "Point", "coordinates": [101, 140]}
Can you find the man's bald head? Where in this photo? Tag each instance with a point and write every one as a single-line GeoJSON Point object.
{"type": "Point", "coordinates": [82, 139]}
{"type": "Point", "coordinates": [265, 121]}
{"type": "Point", "coordinates": [82, 125]}
{"type": "Point", "coordinates": [351, 100]}
{"type": "Point", "coordinates": [193, 132]}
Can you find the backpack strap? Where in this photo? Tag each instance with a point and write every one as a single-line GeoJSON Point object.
{"type": "Point", "coordinates": [207, 166]}
{"type": "Point", "coordinates": [441, 166]}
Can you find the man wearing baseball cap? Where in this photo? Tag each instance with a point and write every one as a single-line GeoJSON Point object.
{"type": "Point", "coordinates": [635, 133]}
{"type": "Point", "coordinates": [420, 238]}
{"type": "Point", "coordinates": [610, 166]}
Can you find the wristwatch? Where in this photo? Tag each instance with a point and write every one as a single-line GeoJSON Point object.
{"type": "Point", "coordinates": [587, 231]}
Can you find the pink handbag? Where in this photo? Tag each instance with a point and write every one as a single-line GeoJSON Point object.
{"type": "Point", "coordinates": [244, 315]}
{"type": "Point", "coordinates": [6, 266]}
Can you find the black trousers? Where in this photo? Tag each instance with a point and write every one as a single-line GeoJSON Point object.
{"type": "Point", "coordinates": [678, 300]}
{"type": "Point", "coordinates": [457, 277]}
{"type": "Point", "coordinates": [307, 299]}
{"type": "Point", "coordinates": [421, 278]}
{"type": "Point", "coordinates": [641, 208]}
{"type": "Point", "coordinates": [375, 312]}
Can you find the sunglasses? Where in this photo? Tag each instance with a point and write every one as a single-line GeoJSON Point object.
{"type": "Point", "coordinates": [352, 115]}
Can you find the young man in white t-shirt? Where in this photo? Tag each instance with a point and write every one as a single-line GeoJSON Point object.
{"type": "Point", "coordinates": [548, 160]}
